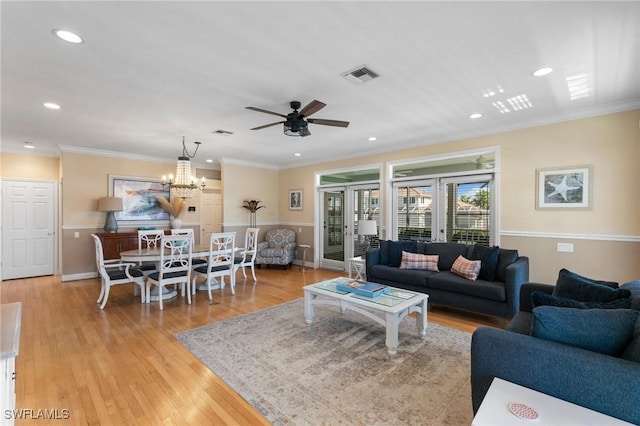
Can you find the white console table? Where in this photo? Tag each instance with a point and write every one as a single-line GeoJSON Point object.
{"type": "Point", "coordinates": [494, 410]}
{"type": "Point", "coordinates": [10, 316]}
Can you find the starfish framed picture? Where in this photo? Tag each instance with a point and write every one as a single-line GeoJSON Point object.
{"type": "Point", "coordinates": [566, 188]}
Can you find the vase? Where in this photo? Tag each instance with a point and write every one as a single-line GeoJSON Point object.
{"type": "Point", "coordinates": [176, 223]}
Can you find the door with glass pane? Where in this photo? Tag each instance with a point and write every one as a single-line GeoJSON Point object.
{"type": "Point", "coordinates": [342, 210]}
{"type": "Point", "coordinates": [413, 207]}
{"type": "Point", "coordinates": [466, 210]}
{"type": "Point", "coordinates": [364, 206]}
{"type": "Point", "coordinates": [444, 210]}
{"type": "Point", "coordinates": [333, 228]}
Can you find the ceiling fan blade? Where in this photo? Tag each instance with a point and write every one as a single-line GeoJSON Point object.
{"type": "Point", "coordinates": [266, 125]}
{"type": "Point", "coordinates": [311, 108]}
{"type": "Point", "coordinates": [266, 111]}
{"type": "Point", "coordinates": [336, 123]}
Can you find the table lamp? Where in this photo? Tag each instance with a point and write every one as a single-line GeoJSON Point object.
{"type": "Point", "coordinates": [367, 228]}
{"type": "Point", "coordinates": [110, 205]}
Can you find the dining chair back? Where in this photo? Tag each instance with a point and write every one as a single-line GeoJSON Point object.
{"type": "Point", "coordinates": [175, 265]}
{"type": "Point", "coordinates": [247, 257]}
{"type": "Point", "coordinates": [219, 262]}
{"type": "Point", "coordinates": [189, 231]}
{"type": "Point", "coordinates": [114, 272]}
{"type": "Point", "coordinates": [149, 239]}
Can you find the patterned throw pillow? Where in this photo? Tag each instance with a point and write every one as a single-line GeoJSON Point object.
{"type": "Point", "coordinates": [419, 261]}
{"type": "Point", "coordinates": [466, 268]}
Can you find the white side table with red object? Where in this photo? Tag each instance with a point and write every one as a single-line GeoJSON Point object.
{"type": "Point", "coordinates": [509, 404]}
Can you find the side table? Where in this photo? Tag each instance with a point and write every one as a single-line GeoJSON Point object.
{"type": "Point", "coordinates": [357, 264]}
{"type": "Point", "coordinates": [494, 409]}
{"type": "Point", "coordinates": [304, 248]}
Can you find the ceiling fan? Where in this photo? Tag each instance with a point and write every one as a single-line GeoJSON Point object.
{"type": "Point", "coordinates": [296, 121]}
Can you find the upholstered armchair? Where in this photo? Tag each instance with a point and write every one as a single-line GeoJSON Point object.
{"type": "Point", "coordinates": [278, 248]}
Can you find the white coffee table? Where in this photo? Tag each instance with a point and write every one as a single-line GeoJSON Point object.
{"type": "Point", "coordinates": [494, 410]}
{"type": "Point", "coordinates": [387, 310]}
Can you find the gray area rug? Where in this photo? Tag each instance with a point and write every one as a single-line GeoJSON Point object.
{"type": "Point", "coordinates": [338, 371]}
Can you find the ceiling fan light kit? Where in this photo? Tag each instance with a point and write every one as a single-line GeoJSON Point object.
{"type": "Point", "coordinates": [295, 123]}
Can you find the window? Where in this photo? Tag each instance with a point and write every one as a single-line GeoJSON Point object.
{"type": "Point", "coordinates": [456, 199]}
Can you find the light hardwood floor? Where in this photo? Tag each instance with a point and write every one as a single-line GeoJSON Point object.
{"type": "Point", "coordinates": [122, 365]}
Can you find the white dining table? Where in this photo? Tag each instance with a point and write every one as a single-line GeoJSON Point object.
{"type": "Point", "coordinates": [153, 255]}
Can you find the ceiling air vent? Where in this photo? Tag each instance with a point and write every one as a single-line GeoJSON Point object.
{"type": "Point", "coordinates": [360, 75]}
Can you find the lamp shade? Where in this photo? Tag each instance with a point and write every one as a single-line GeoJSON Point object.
{"type": "Point", "coordinates": [367, 227]}
{"type": "Point", "coordinates": [110, 204]}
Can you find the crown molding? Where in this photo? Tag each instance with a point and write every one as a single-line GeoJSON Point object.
{"type": "Point", "coordinates": [248, 163]}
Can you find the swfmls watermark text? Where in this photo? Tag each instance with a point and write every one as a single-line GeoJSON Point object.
{"type": "Point", "coordinates": [38, 414]}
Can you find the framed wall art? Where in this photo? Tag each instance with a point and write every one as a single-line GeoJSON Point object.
{"type": "Point", "coordinates": [564, 188]}
{"type": "Point", "coordinates": [138, 198]}
{"type": "Point", "coordinates": [295, 199]}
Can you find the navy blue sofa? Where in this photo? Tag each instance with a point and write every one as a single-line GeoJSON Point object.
{"type": "Point", "coordinates": [600, 382]}
{"type": "Point", "coordinates": [497, 297]}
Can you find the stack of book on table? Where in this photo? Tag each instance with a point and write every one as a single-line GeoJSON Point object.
{"type": "Point", "coordinates": [361, 288]}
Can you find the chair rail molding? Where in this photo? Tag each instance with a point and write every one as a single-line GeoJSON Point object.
{"type": "Point", "coordinates": [572, 236]}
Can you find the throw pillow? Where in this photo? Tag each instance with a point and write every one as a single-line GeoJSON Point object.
{"type": "Point", "coordinates": [397, 247]}
{"type": "Point", "coordinates": [583, 289]}
{"type": "Point", "coordinates": [539, 298]}
{"type": "Point", "coordinates": [607, 331]}
{"type": "Point", "coordinates": [419, 261]}
{"type": "Point", "coordinates": [466, 268]}
{"type": "Point", "coordinates": [505, 258]}
{"type": "Point", "coordinates": [488, 256]}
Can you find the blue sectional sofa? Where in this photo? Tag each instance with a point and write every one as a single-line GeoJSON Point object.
{"type": "Point", "coordinates": [606, 383]}
{"type": "Point", "coordinates": [495, 292]}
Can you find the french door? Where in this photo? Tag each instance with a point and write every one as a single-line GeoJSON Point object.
{"type": "Point", "coordinates": [342, 209]}
{"type": "Point", "coordinates": [453, 209]}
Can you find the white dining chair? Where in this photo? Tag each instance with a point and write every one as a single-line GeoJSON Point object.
{"type": "Point", "coordinates": [247, 256]}
{"type": "Point", "coordinates": [219, 263]}
{"type": "Point", "coordinates": [175, 266]}
{"type": "Point", "coordinates": [151, 239]}
{"type": "Point", "coordinates": [189, 231]}
{"type": "Point", "coordinates": [115, 272]}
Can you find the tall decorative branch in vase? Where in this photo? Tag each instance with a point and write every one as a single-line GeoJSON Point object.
{"type": "Point", "coordinates": [175, 208]}
{"type": "Point", "coordinates": [253, 206]}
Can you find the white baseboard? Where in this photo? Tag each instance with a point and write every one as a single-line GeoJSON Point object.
{"type": "Point", "coordinates": [82, 276]}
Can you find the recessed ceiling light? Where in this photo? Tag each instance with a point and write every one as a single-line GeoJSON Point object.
{"type": "Point", "coordinates": [51, 105]}
{"type": "Point", "coordinates": [29, 145]}
{"type": "Point", "coordinates": [68, 36]}
{"type": "Point", "coordinates": [542, 71]}
{"type": "Point", "coordinates": [209, 160]}
{"type": "Point", "coordinates": [372, 138]}
{"type": "Point", "coordinates": [476, 115]}
{"type": "Point", "coordinates": [297, 154]}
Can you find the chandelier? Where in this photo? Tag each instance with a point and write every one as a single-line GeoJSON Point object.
{"type": "Point", "coordinates": [184, 185]}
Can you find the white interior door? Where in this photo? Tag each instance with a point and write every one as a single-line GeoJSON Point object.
{"type": "Point", "coordinates": [28, 230]}
{"type": "Point", "coordinates": [211, 217]}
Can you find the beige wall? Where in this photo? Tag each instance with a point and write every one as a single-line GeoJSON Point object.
{"type": "Point", "coordinates": [245, 182]}
{"type": "Point", "coordinates": [606, 238]}
{"type": "Point", "coordinates": [85, 180]}
{"type": "Point", "coordinates": [23, 166]}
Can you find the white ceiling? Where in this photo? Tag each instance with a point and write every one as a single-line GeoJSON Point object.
{"type": "Point", "coordinates": [150, 72]}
